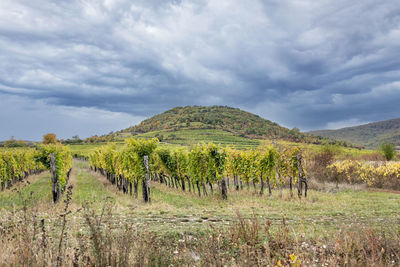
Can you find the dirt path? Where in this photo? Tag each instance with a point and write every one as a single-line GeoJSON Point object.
{"type": "Point", "coordinates": [383, 190]}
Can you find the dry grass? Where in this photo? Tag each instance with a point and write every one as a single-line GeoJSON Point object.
{"type": "Point", "coordinates": [102, 239]}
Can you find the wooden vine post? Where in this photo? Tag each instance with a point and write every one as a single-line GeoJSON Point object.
{"type": "Point", "coordinates": [54, 180]}
{"type": "Point", "coordinates": [224, 189]}
{"type": "Point", "coordinates": [302, 178]}
{"type": "Point", "coordinates": [146, 182]}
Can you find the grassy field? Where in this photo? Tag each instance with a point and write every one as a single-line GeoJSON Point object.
{"type": "Point", "coordinates": [85, 149]}
{"type": "Point", "coordinates": [174, 216]}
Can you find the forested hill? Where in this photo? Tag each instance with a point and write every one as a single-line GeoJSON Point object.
{"type": "Point", "coordinates": [370, 135]}
{"type": "Point", "coordinates": [233, 120]}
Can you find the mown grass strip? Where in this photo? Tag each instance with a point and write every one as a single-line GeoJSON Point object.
{"type": "Point", "coordinates": [88, 188]}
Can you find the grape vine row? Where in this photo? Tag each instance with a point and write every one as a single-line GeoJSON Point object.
{"type": "Point", "coordinates": [204, 165]}
{"type": "Point", "coordinates": [17, 164]}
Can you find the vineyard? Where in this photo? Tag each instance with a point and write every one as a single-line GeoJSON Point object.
{"type": "Point", "coordinates": [204, 165]}
{"type": "Point", "coordinates": [204, 205]}
{"type": "Point", "coordinates": [16, 165]}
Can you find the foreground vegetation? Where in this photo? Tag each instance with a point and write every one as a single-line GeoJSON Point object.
{"type": "Point", "coordinates": [102, 226]}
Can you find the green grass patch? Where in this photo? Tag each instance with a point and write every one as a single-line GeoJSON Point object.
{"type": "Point", "coordinates": [88, 188]}
{"type": "Point", "coordinates": [38, 190]}
{"type": "Point", "coordinates": [86, 149]}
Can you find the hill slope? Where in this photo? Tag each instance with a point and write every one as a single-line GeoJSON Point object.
{"type": "Point", "coordinates": [370, 135]}
{"type": "Point", "coordinates": [182, 121]}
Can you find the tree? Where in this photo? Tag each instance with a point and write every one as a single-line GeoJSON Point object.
{"type": "Point", "coordinates": [388, 150]}
{"type": "Point", "coordinates": [49, 138]}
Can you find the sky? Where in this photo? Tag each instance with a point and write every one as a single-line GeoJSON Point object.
{"type": "Point", "coordinates": [82, 67]}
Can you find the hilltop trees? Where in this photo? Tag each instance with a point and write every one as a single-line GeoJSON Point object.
{"type": "Point", "coordinates": [235, 121]}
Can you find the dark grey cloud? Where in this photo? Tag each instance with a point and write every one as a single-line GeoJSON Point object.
{"type": "Point", "coordinates": [309, 64]}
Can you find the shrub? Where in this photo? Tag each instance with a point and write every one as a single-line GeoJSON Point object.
{"type": "Point", "coordinates": [388, 150]}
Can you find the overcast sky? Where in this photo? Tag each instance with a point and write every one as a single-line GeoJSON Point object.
{"type": "Point", "coordinates": [89, 67]}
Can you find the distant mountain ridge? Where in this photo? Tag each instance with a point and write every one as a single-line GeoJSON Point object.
{"type": "Point", "coordinates": [233, 120]}
{"type": "Point", "coordinates": [370, 135]}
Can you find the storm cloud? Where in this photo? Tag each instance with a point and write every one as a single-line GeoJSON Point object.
{"type": "Point", "coordinates": [89, 67]}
